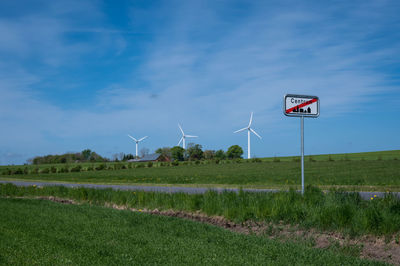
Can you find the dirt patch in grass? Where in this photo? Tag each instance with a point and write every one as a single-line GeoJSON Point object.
{"type": "Point", "coordinates": [385, 249]}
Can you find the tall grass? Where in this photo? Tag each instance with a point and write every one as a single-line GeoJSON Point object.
{"type": "Point", "coordinates": [36, 232]}
{"type": "Point", "coordinates": [332, 211]}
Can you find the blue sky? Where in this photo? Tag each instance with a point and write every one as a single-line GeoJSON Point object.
{"type": "Point", "coordinates": [84, 74]}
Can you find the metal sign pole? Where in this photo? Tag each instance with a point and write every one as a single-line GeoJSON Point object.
{"type": "Point", "coordinates": [301, 106]}
{"type": "Point", "coordinates": [302, 153]}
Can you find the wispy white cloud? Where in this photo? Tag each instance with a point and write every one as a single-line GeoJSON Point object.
{"type": "Point", "coordinates": [203, 68]}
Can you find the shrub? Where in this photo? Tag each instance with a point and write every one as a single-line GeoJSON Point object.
{"type": "Point", "coordinates": [296, 159]}
{"type": "Point", "coordinates": [90, 168]}
{"type": "Point", "coordinates": [101, 167]}
{"type": "Point", "coordinates": [217, 161]}
{"type": "Point", "coordinates": [77, 168]}
{"type": "Point", "coordinates": [311, 159]}
{"type": "Point", "coordinates": [276, 160]}
{"type": "Point", "coordinates": [149, 164]}
{"type": "Point", "coordinates": [330, 159]}
{"type": "Point", "coordinates": [35, 170]}
{"type": "Point", "coordinates": [139, 165]}
{"type": "Point", "coordinates": [64, 169]}
{"type": "Point", "coordinates": [124, 166]}
{"type": "Point", "coordinates": [6, 172]}
{"type": "Point", "coordinates": [175, 163]}
{"type": "Point", "coordinates": [256, 160]}
{"type": "Point", "coordinates": [45, 171]}
{"type": "Point", "coordinates": [53, 169]}
{"type": "Point", "coordinates": [197, 162]}
{"type": "Point", "coordinates": [18, 172]}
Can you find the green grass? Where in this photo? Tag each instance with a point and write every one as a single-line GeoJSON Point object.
{"type": "Point", "coordinates": [361, 171]}
{"type": "Point", "coordinates": [46, 233]}
{"type": "Point", "coordinates": [333, 211]}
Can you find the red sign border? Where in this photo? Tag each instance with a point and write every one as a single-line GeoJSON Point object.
{"type": "Point", "coordinates": [312, 100]}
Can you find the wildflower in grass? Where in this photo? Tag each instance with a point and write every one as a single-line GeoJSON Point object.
{"type": "Point", "coordinates": [374, 196]}
{"type": "Point", "coordinates": [140, 210]}
{"type": "Point", "coordinates": [34, 186]}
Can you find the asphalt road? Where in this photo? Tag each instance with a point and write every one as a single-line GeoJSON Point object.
{"type": "Point", "coordinates": [189, 190]}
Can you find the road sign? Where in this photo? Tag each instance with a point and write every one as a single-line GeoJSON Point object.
{"type": "Point", "coordinates": [301, 105]}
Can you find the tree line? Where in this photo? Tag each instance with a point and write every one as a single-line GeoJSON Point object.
{"type": "Point", "coordinates": [177, 153]}
{"type": "Point", "coordinates": [195, 152]}
{"type": "Point", "coordinates": [83, 156]}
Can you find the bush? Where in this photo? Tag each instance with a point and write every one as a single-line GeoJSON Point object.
{"type": "Point", "coordinates": [149, 164]}
{"type": "Point", "coordinates": [64, 169]}
{"type": "Point", "coordinates": [35, 170]}
{"type": "Point", "coordinates": [101, 167]}
{"type": "Point", "coordinates": [53, 169]}
{"type": "Point", "coordinates": [256, 160]}
{"type": "Point", "coordinates": [217, 161]}
{"type": "Point", "coordinates": [139, 165]}
{"type": "Point", "coordinates": [311, 159]}
{"type": "Point", "coordinates": [77, 168]}
{"type": "Point", "coordinates": [45, 171]}
{"type": "Point", "coordinates": [330, 159]}
{"type": "Point", "coordinates": [18, 172]}
{"type": "Point", "coordinates": [6, 172]}
{"type": "Point", "coordinates": [276, 160]}
{"type": "Point", "coordinates": [175, 163]}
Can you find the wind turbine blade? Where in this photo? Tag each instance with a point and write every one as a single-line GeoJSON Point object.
{"type": "Point", "coordinates": [190, 136]}
{"type": "Point", "coordinates": [132, 137]}
{"type": "Point", "coordinates": [240, 130]}
{"type": "Point", "coordinates": [179, 142]}
{"type": "Point", "coordinates": [252, 130]}
{"type": "Point", "coordinates": [142, 138]}
{"type": "Point", "coordinates": [181, 129]}
{"type": "Point", "coordinates": [251, 119]}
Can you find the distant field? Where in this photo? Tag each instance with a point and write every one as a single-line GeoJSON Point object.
{"type": "Point", "coordinates": [55, 234]}
{"type": "Point", "coordinates": [358, 171]}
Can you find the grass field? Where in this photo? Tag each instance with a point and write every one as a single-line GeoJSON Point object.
{"type": "Point", "coordinates": [332, 211]}
{"type": "Point", "coordinates": [55, 234]}
{"type": "Point", "coordinates": [360, 171]}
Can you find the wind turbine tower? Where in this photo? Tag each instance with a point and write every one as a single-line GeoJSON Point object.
{"type": "Point", "coordinates": [249, 129]}
{"type": "Point", "coordinates": [137, 143]}
{"type": "Point", "coordinates": [183, 139]}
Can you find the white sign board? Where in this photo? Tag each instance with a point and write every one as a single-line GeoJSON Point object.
{"type": "Point", "coordinates": [301, 105]}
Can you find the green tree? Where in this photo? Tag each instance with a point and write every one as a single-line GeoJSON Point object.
{"type": "Point", "coordinates": [177, 153]}
{"type": "Point", "coordinates": [194, 151]}
{"type": "Point", "coordinates": [166, 151]}
{"type": "Point", "coordinates": [220, 154]}
{"type": "Point", "coordinates": [86, 154]}
{"type": "Point", "coordinates": [209, 154]}
{"type": "Point", "coordinates": [234, 151]}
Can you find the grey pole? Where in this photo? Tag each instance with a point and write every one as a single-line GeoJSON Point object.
{"type": "Point", "coordinates": [302, 153]}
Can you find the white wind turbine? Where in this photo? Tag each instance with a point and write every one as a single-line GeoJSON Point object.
{"type": "Point", "coordinates": [137, 143]}
{"type": "Point", "coordinates": [184, 137]}
{"type": "Point", "coordinates": [248, 134]}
